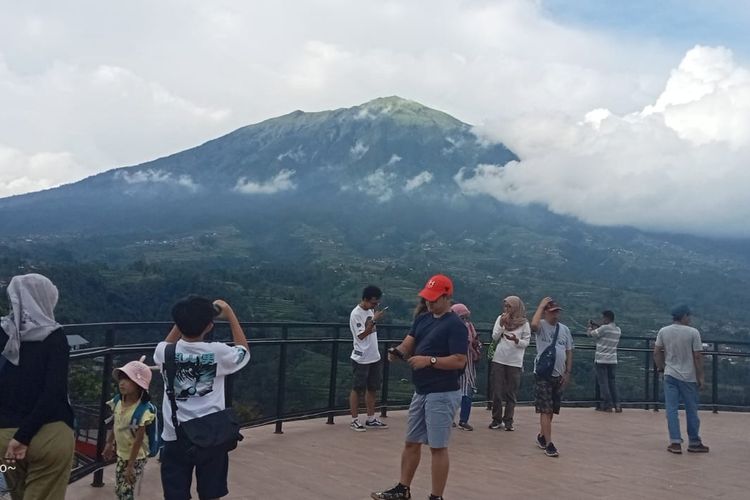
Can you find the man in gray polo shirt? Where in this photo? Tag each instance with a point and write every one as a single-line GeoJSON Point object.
{"type": "Point", "coordinates": [605, 360]}
{"type": "Point", "coordinates": [678, 353]}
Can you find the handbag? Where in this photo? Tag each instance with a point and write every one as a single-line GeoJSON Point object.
{"type": "Point", "coordinates": [205, 436]}
{"type": "Point", "coordinates": [545, 365]}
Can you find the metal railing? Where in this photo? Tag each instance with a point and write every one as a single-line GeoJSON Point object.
{"type": "Point", "coordinates": [316, 398]}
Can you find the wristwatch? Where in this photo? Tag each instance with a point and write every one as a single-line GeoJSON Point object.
{"type": "Point", "coordinates": [433, 360]}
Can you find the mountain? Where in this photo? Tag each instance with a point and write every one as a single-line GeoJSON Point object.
{"type": "Point", "coordinates": [290, 217]}
{"type": "Point", "coordinates": [384, 149]}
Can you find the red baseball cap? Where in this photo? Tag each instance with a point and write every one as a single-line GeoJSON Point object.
{"type": "Point", "coordinates": [437, 286]}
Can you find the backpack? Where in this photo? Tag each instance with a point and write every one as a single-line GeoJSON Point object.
{"type": "Point", "coordinates": [152, 429]}
{"type": "Point", "coordinates": [545, 365]}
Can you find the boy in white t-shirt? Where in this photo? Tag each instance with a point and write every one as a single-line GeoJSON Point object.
{"type": "Point", "coordinates": [199, 389]}
{"type": "Point", "coordinates": [366, 365]}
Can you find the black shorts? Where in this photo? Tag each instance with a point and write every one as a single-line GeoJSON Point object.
{"type": "Point", "coordinates": [369, 376]}
{"type": "Point", "coordinates": [177, 473]}
{"type": "Point", "coordinates": [547, 394]}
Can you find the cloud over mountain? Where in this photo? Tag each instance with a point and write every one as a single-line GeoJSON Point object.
{"type": "Point", "coordinates": [281, 182]}
{"type": "Point", "coordinates": [678, 165]}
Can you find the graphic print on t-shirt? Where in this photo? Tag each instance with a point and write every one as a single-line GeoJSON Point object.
{"type": "Point", "coordinates": [195, 375]}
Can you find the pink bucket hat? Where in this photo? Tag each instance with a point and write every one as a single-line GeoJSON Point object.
{"type": "Point", "coordinates": [137, 371]}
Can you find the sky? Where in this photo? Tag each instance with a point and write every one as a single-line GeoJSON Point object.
{"type": "Point", "coordinates": [623, 113]}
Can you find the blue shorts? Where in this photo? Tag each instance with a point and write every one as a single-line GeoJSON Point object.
{"type": "Point", "coordinates": [431, 418]}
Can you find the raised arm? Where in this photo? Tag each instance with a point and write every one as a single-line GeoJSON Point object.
{"type": "Point", "coordinates": [174, 335]}
{"type": "Point", "coordinates": [238, 336]}
{"type": "Point", "coordinates": [537, 319]}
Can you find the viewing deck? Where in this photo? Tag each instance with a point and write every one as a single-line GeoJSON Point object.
{"type": "Point", "coordinates": [602, 455]}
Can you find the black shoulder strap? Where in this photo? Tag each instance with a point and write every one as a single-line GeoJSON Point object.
{"type": "Point", "coordinates": [171, 369]}
{"type": "Point", "coordinates": [557, 331]}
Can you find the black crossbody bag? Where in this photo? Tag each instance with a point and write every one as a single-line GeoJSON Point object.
{"type": "Point", "coordinates": [206, 436]}
{"type": "Point", "coordinates": [545, 365]}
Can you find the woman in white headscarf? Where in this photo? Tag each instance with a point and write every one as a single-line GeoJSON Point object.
{"type": "Point", "coordinates": [512, 334]}
{"type": "Point", "coordinates": [36, 420]}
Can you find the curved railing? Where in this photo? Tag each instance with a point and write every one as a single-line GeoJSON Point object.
{"type": "Point", "coordinates": [302, 370]}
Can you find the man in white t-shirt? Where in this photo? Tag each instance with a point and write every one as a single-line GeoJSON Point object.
{"type": "Point", "coordinates": [199, 389]}
{"type": "Point", "coordinates": [678, 353]}
{"type": "Point", "coordinates": [366, 365]}
{"type": "Point", "coordinates": [548, 389]}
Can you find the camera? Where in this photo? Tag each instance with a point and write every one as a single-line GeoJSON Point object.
{"type": "Point", "coordinates": [594, 324]}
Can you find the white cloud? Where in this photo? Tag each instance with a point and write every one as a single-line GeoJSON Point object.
{"type": "Point", "coordinates": [22, 172]}
{"type": "Point", "coordinates": [394, 159]}
{"type": "Point", "coordinates": [358, 150]}
{"type": "Point", "coordinates": [297, 154]}
{"type": "Point", "coordinates": [379, 185]}
{"type": "Point", "coordinates": [281, 182]}
{"type": "Point", "coordinates": [151, 176]}
{"type": "Point", "coordinates": [678, 165]}
{"type": "Point", "coordinates": [418, 181]}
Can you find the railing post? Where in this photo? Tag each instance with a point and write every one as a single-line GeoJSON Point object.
{"type": "Point", "coordinates": [334, 374]}
{"type": "Point", "coordinates": [386, 376]}
{"type": "Point", "coordinates": [281, 387]}
{"type": "Point", "coordinates": [715, 377]}
{"type": "Point", "coordinates": [655, 386]}
{"type": "Point", "coordinates": [101, 434]}
{"type": "Point", "coordinates": [646, 372]}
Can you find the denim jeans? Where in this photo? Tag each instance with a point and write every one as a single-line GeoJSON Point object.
{"type": "Point", "coordinates": [465, 409]}
{"type": "Point", "coordinates": [674, 391]}
{"type": "Point", "coordinates": [605, 378]}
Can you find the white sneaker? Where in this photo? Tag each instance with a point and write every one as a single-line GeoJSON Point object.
{"type": "Point", "coordinates": [356, 426]}
{"type": "Point", "coordinates": [375, 424]}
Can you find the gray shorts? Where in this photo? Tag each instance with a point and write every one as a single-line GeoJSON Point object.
{"type": "Point", "coordinates": [431, 418]}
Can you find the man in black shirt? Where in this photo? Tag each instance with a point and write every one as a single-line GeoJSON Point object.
{"type": "Point", "coordinates": [436, 349]}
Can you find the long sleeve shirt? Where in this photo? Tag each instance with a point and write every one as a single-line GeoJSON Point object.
{"type": "Point", "coordinates": [35, 392]}
{"type": "Point", "coordinates": [508, 352]}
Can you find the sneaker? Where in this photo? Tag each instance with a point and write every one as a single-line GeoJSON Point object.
{"type": "Point", "coordinates": [396, 493]}
{"type": "Point", "coordinates": [541, 442]}
{"type": "Point", "coordinates": [675, 448]}
{"type": "Point", "coordinates": [509, 427]}
{"type": "Point", "coordinates": [356, 426]}
{"type": "Point", "coordinates": [464, 426]}
{"type": "Point", "coordinates": [698, 448]}
{"type": "Point", "coordinates": [551, 451]}
{"type": "Point", "coordinates": [375, 423]}
{"type": "Point", "coordinates": [433, 497]}
{"type": "Point", "coordinates": [496, 425]}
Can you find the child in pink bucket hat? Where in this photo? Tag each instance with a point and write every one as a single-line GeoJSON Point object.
{"type": "Point", "coordinates": [132, 414]}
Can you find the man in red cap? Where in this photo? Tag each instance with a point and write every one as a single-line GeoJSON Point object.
{"type": "Point", "coordinates": [550, 377]}
{"type": "Point", "coordinates": [435, 348]}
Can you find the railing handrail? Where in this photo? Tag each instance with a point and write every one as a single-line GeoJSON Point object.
{"type": "Point", "coordinates": [139, 325]}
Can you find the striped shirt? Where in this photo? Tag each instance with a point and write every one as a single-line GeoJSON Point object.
{"type": "Point", "coordinates": [607, 337]}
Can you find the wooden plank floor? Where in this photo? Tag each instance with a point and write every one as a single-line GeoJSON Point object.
{"type": "Point", "coordinates": [612, 456]}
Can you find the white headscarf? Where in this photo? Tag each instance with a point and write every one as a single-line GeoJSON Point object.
{"type": "Point", "coordinates": [33, 298]}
